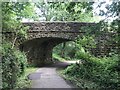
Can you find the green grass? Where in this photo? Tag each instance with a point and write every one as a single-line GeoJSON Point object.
{"type": "Point", "coordinates": [57, 57]}
{"type": "Point", "coordinates": [30, 70]}
{"type": "Point", "coordinates": [23, 81]}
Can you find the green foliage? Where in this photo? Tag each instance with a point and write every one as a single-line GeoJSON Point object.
{"type": "Point", "coordinates": [12, 13]}
{"type": "Point", "coordinates": [17, 10]}
{"type": "Point", "coordinates": [13, 65]}
{"type": "Point", "coordinates": [72, 49]}
{"type": "Point", "coordinates": [94, 72]}
{"type": "Point", "coordinates": [13, 61]}
{"type": "Point", "coordinates": [22, 59]}
{"type": "Point", "coordinates": [23, 81]}
{"type": "Point", "coordinates": [57, 57]}
{"type": "Point", "coordinates": [67, 52]}
{"type": "Point", "coordinates": [102, 71]}
{"type": "Point", "coordinates": [85, 42]}
{"type": "Point", "coordinates": [66, 11]}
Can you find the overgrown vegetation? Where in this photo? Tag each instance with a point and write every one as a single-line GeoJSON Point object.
{"type": "Point", "coordinates": [23, 81]}
{"type": "Point", "coordinates": [101, 72]}
{"type": "Point", "coordinates": [14, 61]}
{"type": "Point", "coordinates": [15, 68]}
{"type": "Point", "coordinates": [65, 51]}
{"type": "Point", "coordinates": [94, 71]}
{"type": "Point", "coordinates": [13, 65]}
{"type": "Point", "coordinates": [66, 11]}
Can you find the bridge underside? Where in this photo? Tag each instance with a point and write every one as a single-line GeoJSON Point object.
{"type": "Point", "coordinates": [39, 50]}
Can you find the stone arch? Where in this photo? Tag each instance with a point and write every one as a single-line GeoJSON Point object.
{"type": "Point", "coordinates": [43, 36]}
{"type": "Point", "coordinates": [39, 50]}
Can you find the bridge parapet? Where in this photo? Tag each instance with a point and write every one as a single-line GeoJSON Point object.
{"type": "Point", "coordinates": [56, 26]}
{"type": "Point", "coordinates": [65, 30]}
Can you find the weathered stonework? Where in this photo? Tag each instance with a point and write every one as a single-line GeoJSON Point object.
{"type": "Point", "coordinates": [44, 36]}
{"type": "Point", "coordinates": [65, 30]}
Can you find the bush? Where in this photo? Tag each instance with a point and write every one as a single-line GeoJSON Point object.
{"type": "Point", "coordinates": [101, 71]}
{"type": "Point", "coordinates": [13, 65]}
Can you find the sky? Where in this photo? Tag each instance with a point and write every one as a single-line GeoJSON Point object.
{"type": "Point", "coordinates": [103, 7]}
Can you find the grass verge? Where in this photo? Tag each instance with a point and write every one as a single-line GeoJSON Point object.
{"type": "Point", "coordinates": [57, 57]}
{"type": "Point", "coordinates": [23, 81]}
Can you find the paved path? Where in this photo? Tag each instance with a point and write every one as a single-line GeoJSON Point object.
{"type": "Point", "coordinates": [47, 77]}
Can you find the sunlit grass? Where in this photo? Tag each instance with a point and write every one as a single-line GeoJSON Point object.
{"type": "Point", "coordinates": [57, 57]}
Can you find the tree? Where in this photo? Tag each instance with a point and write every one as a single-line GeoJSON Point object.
{"type": "Point", "coordinates": [69, 11]}
{"type": "Point", "coordinates": [12, 14]}
{"type": "Point", "coordinates": [13, 61]}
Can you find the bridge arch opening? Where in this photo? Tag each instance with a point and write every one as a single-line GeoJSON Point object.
{"type": "Point", "coordinates": [39, 50]}
{"type": "Point", "coordinates": [65, 51]}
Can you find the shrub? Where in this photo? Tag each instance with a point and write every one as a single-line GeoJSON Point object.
{"type": "Point", "coordinates": [102, 71]}
{"type": "Point", "coordinates": [13, 65]}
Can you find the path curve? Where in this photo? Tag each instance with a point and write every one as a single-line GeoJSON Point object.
{"type": "Point", "coordinates": [47, 77]}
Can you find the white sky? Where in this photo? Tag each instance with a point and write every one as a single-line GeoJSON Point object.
{"type": "Point", "coordinates": [97, 10]}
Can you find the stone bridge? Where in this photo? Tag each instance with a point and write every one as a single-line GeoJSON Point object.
{"type": "Point", "coordinates": [44, 36]}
